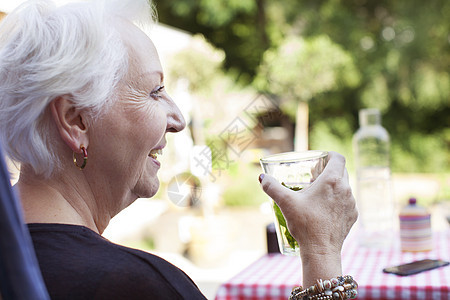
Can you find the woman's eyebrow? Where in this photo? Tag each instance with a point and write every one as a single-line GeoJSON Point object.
{"type": "Point", "coordinates": [153, 73]}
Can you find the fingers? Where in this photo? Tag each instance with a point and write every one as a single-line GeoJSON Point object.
{"type": "Point", "coordinates": [275, 190]}
{"type": "Point", "coordinates": [335, 167]}
{"type": "Point", "coordinates": [316, 171]}
{"type": "Point", "coordinates": [347, 179]}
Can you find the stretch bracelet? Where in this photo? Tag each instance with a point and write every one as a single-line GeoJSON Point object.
{"type": "Point", "coordinates": [341, 288]}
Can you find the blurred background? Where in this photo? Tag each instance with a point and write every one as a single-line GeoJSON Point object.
{"type": "Point", "coordinates": [255, 77]}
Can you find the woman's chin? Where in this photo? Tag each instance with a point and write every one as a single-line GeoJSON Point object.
{"type": "Point", "coordinates": [147, 189]}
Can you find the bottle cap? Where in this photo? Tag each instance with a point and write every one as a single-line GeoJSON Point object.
{"type": "Point", "coordinates": [369, 116]}
{"type": "Point", "coordinates": [412, 201]}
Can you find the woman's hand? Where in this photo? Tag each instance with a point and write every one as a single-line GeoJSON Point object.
{"type": "Point", "coordinates": [319, 217]}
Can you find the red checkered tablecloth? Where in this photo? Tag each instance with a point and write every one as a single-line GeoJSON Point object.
{"type": "Point", "coordinates": [273, 275]}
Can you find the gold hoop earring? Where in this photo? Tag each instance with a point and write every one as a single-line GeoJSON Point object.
{"type": "Point", "coordinates": [85, 157]}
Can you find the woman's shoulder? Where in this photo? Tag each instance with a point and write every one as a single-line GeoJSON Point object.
{"type": "Point", "coordinates": [78, 255]}
{"type": "Point", "coordinates": [80, 241]}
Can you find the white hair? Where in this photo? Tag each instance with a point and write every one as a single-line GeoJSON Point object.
{"type": "Point", "coordinates": [48, 51]}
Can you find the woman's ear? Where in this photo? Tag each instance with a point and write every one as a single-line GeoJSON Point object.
{"type": "Point", "coordinates": [70, 123]}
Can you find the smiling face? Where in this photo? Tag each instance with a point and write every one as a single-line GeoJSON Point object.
{"type": "Point", "coordinates": [125, 141]}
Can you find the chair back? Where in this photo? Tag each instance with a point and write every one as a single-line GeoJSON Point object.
{"type": "Point", "coordinates": [20, 276]}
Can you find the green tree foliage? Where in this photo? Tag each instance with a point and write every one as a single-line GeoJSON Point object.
{"type": "Point", "coordinates": [400, 49]}
{"type": "Point", "coordinates": [200, 64]}
{"type": "Point", "coordinates": [299, 69]}
{"type": "Point", "coordinates": [240, 23]}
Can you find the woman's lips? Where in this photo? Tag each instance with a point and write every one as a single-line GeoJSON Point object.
{"type": "Point", "coordinates": [154, 160]}
{"type": "Point", "coordinates": [154, 156]}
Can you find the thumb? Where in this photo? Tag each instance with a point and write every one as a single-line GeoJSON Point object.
{"type": "Point", "coordinates": [274, 189]}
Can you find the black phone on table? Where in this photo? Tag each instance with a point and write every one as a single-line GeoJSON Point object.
{"type": "Point", "coordinates": [416, 267]}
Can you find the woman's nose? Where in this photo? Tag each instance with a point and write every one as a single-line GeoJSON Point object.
{"type": "Point", "coordinates": [175, 120]}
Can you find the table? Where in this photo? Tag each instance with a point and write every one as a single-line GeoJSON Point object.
{"type": "Point", "coordinates": [273, 275]}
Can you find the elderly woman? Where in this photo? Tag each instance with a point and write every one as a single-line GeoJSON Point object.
{"type": "Point", "coordinates": [84, 110]}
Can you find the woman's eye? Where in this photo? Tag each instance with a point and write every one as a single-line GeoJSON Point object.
{"type": "Point", "coordinates": [157, 92]}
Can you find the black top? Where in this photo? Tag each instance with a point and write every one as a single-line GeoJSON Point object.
{"type": "Point", "coordinates": [78, 263]}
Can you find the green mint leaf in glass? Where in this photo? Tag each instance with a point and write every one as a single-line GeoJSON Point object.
{"type": "Point", "coordinates": [282, 222]}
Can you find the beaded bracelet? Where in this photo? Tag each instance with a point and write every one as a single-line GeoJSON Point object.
{"type": "Point", "coordinates": [341, 288]}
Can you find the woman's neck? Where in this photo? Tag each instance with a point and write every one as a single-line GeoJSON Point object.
{"type": "Point", "coordinates": [55, 200]}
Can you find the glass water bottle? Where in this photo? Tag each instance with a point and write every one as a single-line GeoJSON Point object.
{"type": "Point", "coordinates": [373, 191]}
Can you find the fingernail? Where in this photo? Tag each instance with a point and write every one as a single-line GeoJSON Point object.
{"type": "Point", "coordinates": [260, 178]}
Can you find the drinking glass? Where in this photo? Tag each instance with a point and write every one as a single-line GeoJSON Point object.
{"type": "Point", "coordinates": [295, 170]}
